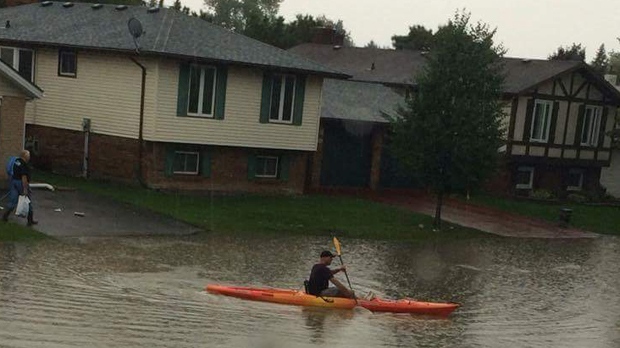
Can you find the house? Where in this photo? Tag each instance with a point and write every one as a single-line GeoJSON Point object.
{"type": "Point", "coordinates": [15, 91]}
{"type": "Point", "coordinates": [610, 176]}
{"type": "Point", "coordinates": [188, 105]}
{"type": "Point", "coordinates": [556, 115]}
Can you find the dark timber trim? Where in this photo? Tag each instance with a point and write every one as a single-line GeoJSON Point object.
{"type": "Point", "coordinates": [513, 121]}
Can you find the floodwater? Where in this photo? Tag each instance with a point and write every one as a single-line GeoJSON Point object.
{"type": "Point", "coordinates": [149, 292]}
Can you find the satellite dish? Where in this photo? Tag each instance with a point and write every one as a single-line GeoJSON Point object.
{"type": "Point", "coordinates": [135, 29]}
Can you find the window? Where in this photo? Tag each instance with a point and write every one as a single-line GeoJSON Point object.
{"type": "Point", "coordinates": [591, 125]}
{"type": "Point", "coordinates": [541, 121]}
{"type": "Point", "coordinates": [525, 177]}
{"type": "Point", "coordinates": [67, 63]}
{"type": "Point", "coordinates": [20, 59]}
{"type": "Point", "coordinates": [282, 99]}
{"type": "Point", "coordinates": [266, 167]}
{"type": "Point", "coordinates": [201, 91]}
{"type": "Point", "coordinates": [186, 162]}
{"type": "Point", "coordinates": [575, 180]}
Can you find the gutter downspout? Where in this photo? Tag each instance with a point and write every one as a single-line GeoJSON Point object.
{"type": "Point", "coordinates": [140, 131]}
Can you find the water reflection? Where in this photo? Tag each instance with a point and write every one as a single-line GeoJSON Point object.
{"type": "Point", "coordinates": [149, 292]}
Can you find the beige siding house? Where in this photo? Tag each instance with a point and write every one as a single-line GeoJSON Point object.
{"type": "Point", "coordinates": [219, 111]}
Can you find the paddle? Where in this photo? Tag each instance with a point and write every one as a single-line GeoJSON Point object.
{"type": "Point", "coordinates": [337, 245]}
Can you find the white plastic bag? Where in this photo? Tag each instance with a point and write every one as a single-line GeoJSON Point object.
{"type": "Point", "coordinates": [23, 206]}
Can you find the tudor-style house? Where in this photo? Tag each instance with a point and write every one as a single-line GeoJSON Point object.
{"type": "Point", "coordinates": [196, 107]}
{"type": "Point", "coordinates": [557, 127]}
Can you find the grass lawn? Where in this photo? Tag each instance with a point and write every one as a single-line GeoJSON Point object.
{"type": "Point", "coordinates": [600, 219]}
{"type": "Point", "coordinates": [303, 215]}
{"type": "Point", "coordinates": [11, 232]}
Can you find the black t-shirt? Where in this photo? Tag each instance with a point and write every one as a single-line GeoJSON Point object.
{"type": "Point", "coordinates": [20, 168]}
{"type": "Point", "coordinates": [319, 279]}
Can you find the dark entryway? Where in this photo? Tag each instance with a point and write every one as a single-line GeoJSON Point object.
{"type": "Point", "coordinates": [347, 154]}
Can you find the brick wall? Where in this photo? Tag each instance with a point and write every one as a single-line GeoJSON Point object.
{"type": "Point", "coordinates": [229, 172]}
{"type": "Point", "coordinates": [62, 151]}
{"type": "Point", "coordinates": [11, 129]}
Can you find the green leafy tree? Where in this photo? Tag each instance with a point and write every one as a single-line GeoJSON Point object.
{"type": "Point", "coordinates": [600, 63]}
{"type": "Point", "coordinates": [449, 133]}
{"type": "Point", "coordinates": [372, 44]}
{"type": "Point", "coordinates": [574, 52]}
{"type": "Point", "coordinates": [234, 14]}
{"type": "Point", "coordinates": [419, 38]}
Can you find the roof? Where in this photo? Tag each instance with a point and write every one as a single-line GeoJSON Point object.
{"type": "Point", "coordinates": [402, 66]}
{"type": "Point", "coordinates": [390, 66]}
{"type": "Point", "coordinates": [30, 89]}
{"type": "Point", "coordinates": [166, 32]}
{"type": "Point", "coordinates": [359, 101]}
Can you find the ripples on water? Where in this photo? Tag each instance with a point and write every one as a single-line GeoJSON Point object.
{"type": "Point", "coordinates": [148, 292]}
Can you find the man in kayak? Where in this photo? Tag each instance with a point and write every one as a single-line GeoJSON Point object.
{"type": "Point", "coordinates": [321, 275]}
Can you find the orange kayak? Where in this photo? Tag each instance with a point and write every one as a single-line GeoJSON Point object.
{"type": "Point", "coordinates": [409, 306]}
{"type": "Point", "coordinates": [283, 296]}
{"type": "Point", "coordinates": [300, 298]}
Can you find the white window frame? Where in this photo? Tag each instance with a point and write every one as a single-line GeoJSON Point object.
{"type": "Point", "coordinates": [201, 87]}
{"type": "Point", "coordinates": [541, 103]}
{"type": "Point", "coordinates": [529, 185]}
{"type": "Point", "coordinates": [593, 127]}
{"type": "Point", "coordinates": [60, 60]}
{"type": "Point", "coordinates": [187, 153]}
{"type": "Point", "coordinates": [275, 175]}
{"type": "Point", "coordinates": [282, 94]}
{"type": "Point", "coordinates": [576, 171]}
{"type": "Point", "coordinates": [16, 53]}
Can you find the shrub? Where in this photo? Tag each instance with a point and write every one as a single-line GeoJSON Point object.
{"type": "Point", "coordinates": [542, 194]}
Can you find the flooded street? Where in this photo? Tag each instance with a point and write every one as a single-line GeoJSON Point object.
{"type": "Point", "coordinates": [149, 292]}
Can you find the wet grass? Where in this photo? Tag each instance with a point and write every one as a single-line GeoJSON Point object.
{"type": "Point", "coordinates": [291, 215]}
{"type": "Point", "coordinates": [599, 219]}
{"type": "Point", "coordinates": [12, 232]}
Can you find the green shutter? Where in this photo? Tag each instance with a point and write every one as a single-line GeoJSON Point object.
{"type": "Point", "coordinates": [205, 163]}
{"type": "Point", "coordinates": [220, 92]}
{"type": "Point", "coordinates": [266, 97]}
{"type": "Point", "coordinates": [169, 165]}
{"type": "Point", "coordinates": [284, 167]}
{"type": "Point", "coordinates": [554, 121]}
{"type": "Point", "coordinates": [183, 91]}
{"type": "Point", "coordinates": [300, 93]}
{"type": "Point", "coordinates": [601, 134]}
{"type": "Point", "coordinates": [579, 129]}
{"type": "Point", "coordinates": [251, 166]}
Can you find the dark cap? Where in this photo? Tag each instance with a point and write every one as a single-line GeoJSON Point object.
{"type": "Point", "coordinates": [326, 253]}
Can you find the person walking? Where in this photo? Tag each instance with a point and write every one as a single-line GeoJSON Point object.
{"type": "Point", "coordinates": [19, 185]}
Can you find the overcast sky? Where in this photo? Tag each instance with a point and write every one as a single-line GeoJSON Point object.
{"type": "Point", "coordinates": [527, 28]}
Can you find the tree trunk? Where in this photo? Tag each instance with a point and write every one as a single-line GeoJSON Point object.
{"type": "Point", "coordinates": [437, 222]}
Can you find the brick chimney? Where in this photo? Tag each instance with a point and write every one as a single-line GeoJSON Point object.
{"type": "Point", "coordinates": [11, 3]}
{"type": "Point", "coordinates": [327, 36]}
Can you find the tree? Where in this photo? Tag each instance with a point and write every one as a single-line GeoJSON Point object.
{"type": "Point", "coordinates": [372, 44]}
{"type": "Point", "coordinates": [601, 61]}
{"type": "Point", "coordinates": [419, 38]}
{"type": "Point", "coordinates": [575, 52]}
{"type": "Point", "coordinates": [449, 132]}
{"type": "Point", "coordinates": [233, 14]}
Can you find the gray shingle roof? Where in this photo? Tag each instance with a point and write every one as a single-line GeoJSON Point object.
{"type": "Point", "coordinates": [401, 66]}
{"type": "Point", "coordinates": [390, 66]}
{"type": "Point", "coordinates": [167, 32]}
{"type": "Point", "coordinates": [359, 101]}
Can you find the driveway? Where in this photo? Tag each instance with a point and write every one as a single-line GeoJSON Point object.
{"type": "Point", "coordinates": [102, 217]}
{"type": "Point", "coordinates": [484, 218]}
